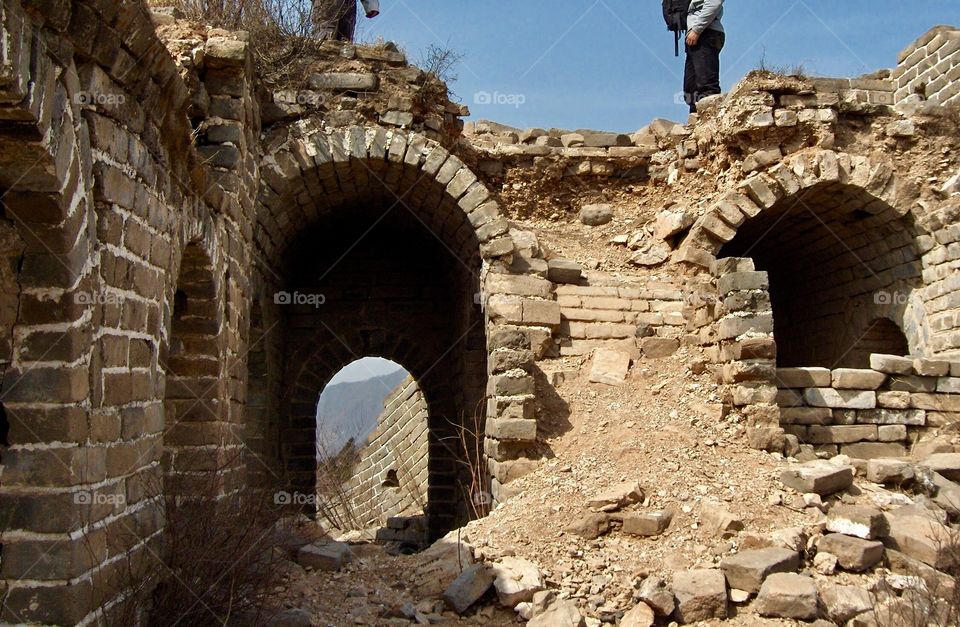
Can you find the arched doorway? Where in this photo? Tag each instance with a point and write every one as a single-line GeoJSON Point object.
{"type": "Point", "coordinates": [373, 451]}
{"type": "Point", "coordinates": [839, 261]}
{"type": "Point", "coordinates": [379, 240]}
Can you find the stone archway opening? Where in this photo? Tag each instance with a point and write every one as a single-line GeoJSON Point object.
{"type": "Point", "coordinates": [373, 452]}
{"type": "Point", "coordinates": [378, 250]}
{"type": "Point", "coordinates": [842, 265]}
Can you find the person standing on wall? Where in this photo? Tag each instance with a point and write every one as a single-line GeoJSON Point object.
{"type": "Point", "coordinates": [705, 39]}
{"type": "Point", "coordinates": [337, 19]}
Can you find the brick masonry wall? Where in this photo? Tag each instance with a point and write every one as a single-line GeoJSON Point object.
{"type": "Point", "coordinates": [929, 69]}
{"type": "Point", "coordinates": [390, 479]}
{"type": "Point", "coordinates": [604, 310]}
{"type": "Point", "coordinates": [870, 412]}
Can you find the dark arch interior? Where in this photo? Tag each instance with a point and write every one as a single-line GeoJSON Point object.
{"type": "Point", "coordinates": [375, 281]}
{"type": "Point", "coordinates": [883, 336]}
{"type": "Point", "coordinates": [838, 260]}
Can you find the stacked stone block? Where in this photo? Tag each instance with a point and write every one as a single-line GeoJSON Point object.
{"type": "Point", "coordinates": [745, 348]}
{"type": "Point", "coordinates": [523, 314]}
{"type": "Point", "coordinates": [869, 413]}
{"type": "Point", "coordinates": [929, 69]}
{"type": "Point", "coordinates": [941, 280]}
{"type": "Point", "coordinates": [605, 310]}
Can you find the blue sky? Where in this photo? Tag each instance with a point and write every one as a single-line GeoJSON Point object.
{"type": "Point", "coordinates": [609, 64]}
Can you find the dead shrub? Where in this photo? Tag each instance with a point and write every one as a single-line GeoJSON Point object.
{"type": "Point", "coordinates": [217, 560]}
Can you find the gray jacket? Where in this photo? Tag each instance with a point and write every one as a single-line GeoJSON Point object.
{"type": "Point", "coordinates": [705, 14]}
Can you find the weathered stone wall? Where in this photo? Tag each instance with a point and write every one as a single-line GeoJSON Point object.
{"type": "Point", "coordinates": [132, 288]}
{"type": "Point", "coordinates": [390, 478]}
{"type": "Point", "coordinates": [869, 412]}
{"type": "Point", "coordinates": [608, 309]}
{"type": "Point", "coordinates": [929, 69]}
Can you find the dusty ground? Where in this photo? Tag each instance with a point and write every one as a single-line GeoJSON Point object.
{"type": "Point", "coordinates": [652, 430]}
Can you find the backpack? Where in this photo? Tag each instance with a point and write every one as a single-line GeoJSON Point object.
{"type": "Point", "coordinates": [675, 15]}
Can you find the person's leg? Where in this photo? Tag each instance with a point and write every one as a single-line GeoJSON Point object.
{"type": "Point", "coordinates": [347, 25]}
{"type": "Point", "coordinates": [326, 15]}
{"type": "Point", "coordinates": [690, 81]}
{"type": "Point", "coordinates": [706, 61]}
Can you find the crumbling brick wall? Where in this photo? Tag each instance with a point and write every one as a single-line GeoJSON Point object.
{"type": "Point", "coordinates": [929, 68]}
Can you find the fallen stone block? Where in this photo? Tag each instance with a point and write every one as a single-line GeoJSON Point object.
{"type": "Point", "coordinates": [596, 215]}
{"type": "Point", "coordinates": [819, 477]}
{"type": "Point", "coordinates": [719, 520]}
{"type": "Point", "coordinates": [701, 595]}
{"type": "Point", "coordinates": [617, 497]}
{"type": "Point", "coordinates": [609, 366]}
{"type": "Point", "coordinates": [854, 554]}
{"type": "Point", "coordinates": [946, 464]}
{"type": "Point", "coordinates": [559, 614]}
{"type": "Point", "coordinates": [942, 583]}
{"type": "Point", "coordinates": [516, 580]}
{"type": "Point", "coordinates": [890, 471]}
{"type": "Point", "coordinates": [842, 603]}
{"type": "Point", "coordinates": [655, 593]}
{"type": "Point", "coordinates": [647, 524]}
{"type": "Point", "coordinates": [641, 615]}
{"type": "Point", "coordinates": [324, 555]}
{"type": "Point", "coordinates": [867, 523]}
{"type": "Point", "coordinates": [948, 494]}
{"type": "Point", "coordinates": [590, 526]}
{"type": "Point", "coordinates": [787, 595]}
{"type": "Point", "coordinates": [923, 539]}
{"type": "Point", "coordinates": [670, 222]}
{"type": "Point", "coordinates": [467, 589]}
{"type": "Point", "coordinates": [747, 570]}
{"type": "Point", "coordinates": [441, 563]}
{"type": "Point", "coordinates": [659, 347]}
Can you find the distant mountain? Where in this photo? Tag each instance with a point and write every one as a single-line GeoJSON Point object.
{"type": "Point", "coordinates": [350, 410]}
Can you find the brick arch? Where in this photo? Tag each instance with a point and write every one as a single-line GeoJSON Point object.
{"type": "Point", "coordinates": [316, 173]}
{"type": "Point", "coordinates": [316, 363]}
{"type": "Point", "coordinates": [841, 245]}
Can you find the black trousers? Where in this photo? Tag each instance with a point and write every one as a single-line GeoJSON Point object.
{"type": "Point", "coordinates": [701, 76]}
{"type": "Point", "coordinates": [336, 19]}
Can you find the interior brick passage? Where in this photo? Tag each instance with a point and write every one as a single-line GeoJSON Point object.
{"type": "Point", "coordinates": [398, 290]}
{"type": "Point", "coordinates": [842, 267]}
